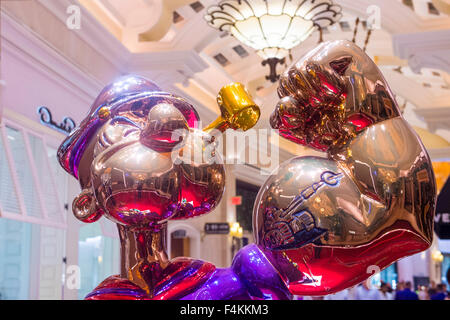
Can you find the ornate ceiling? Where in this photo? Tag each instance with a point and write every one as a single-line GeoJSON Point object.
{"type": "Point", "coordinates": [148, 26]}
{"type": "Point", "coordinates": [170, 42]}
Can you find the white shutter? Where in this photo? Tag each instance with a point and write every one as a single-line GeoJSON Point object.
{"type": "Point", "coordinates": [8, 198]}
{"type": "Point", "coordinates": [59, 174]}
{"type": "Point", "coordinates": [33, 190]}
{"type": "Point", "coordinates": [45, 178]}
{"type": "Point", "coordinates": [24, 172]}
{"type": "Point", "coordinates": [33, 186]}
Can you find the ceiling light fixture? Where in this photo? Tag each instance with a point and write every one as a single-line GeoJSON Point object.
{"type": "Point", "coordinates": [272, 27]}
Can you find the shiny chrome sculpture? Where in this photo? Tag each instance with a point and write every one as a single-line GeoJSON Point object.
{"type": "Point", "coordinates": [129, 157]}
{"type": "Point", "coordinates": [322, 224]}
{"type": "Point", "coordinates": [326, 222]}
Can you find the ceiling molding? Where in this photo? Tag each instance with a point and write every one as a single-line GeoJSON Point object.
{"type": "Point", "coordinates": [395, 17]}
{"type": "Point", "coordinates": [442, 5]}
{"type": "Point", "coordinates": [439, 154]}
{"type": "Point", "coordinates": [163, 23]}
{"type": "Point", "coordinates": [92, 32]}
{"type": "Point", "coordinates": [182, 64]}
{"type": "Point", "coordinates": [110, 18]}
{"type": "Point", "coordinates": [165, 68]}
{"type": "Point", "coordinates": [184, 38]}
{"type": "Point", "coordinates": [113, 14]}
{"type": "Point", "coordinates": [27, 46]}
{"type": "Point", "coordinates": [424, 49]}
{"type": "Point", "coordinates": [408, 88]}
{"type": "Point", "coordinates": [188, 61]}
{"type": "Point", "coordinates": [435, 118]}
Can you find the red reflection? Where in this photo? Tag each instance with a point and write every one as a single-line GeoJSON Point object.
{"type": "Point", "coordinates": [182, 275]}
{"type": "Point", "coordinates": [139, 207]}
{"type": "Point", "coordinates": [360, 121]}
{"type": "Point", "coordinates": [331, 269]}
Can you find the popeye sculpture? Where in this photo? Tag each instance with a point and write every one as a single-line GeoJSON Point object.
{"type": "Point", "coordinates": [320, 222]}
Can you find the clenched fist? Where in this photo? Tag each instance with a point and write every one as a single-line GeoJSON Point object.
{"type": "Point", "coordinates": [324, 221]}
{"type": "Point", "coordinates": [323, 103]}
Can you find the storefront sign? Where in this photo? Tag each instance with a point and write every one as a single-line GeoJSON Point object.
{"type": "Point", "coordinates": [237, 200]}
{"type": "Point", "coordinates": [66, 126]}
{"type": "Point", "coordinates": [179, 234]}
{"type": "Point", "coordinates": [442, 217]}
{"type": "Point", "coordinates": [217, 228]}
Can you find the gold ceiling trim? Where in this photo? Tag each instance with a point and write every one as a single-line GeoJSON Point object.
{"type": "Point", "coordinates": [431, 140]}
{"type": "Point", "coordinates": [100, 15]}
{"type": "Point", "coordinates": [162, 26]}
{"type": "Point", "coordinates": [442, 5]}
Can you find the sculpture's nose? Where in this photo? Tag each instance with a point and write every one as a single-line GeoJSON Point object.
{"type": "Point", "coordinates": [165, 129]}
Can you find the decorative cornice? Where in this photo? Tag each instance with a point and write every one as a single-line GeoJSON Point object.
{"type": "Point", "coordinates": [435, 118]}
{"type": "Point", "coordinates": [162, 24]}
{"type": "Point", "coordinates": [92, 32]}
{"type": "Point", "coordinates": [187, 61]}
{"type": "Point", "coordinates": [424, 49]}
{"type": "Point", "coordinates": [165, 68]}
{"type": "Point", "coordinates": [442, 5]}
{"type": "Point", "coordinates": [396, 18]}
{"type": "Point", "coordinates": [28, 46]}
{"type": "Point", "coordinates": [439, 154]}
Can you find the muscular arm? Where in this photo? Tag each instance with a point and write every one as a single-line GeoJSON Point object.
{"type": "Point", "coordinates": [336, 100]}
{"type": "Point", "coordinates": [368, 201]}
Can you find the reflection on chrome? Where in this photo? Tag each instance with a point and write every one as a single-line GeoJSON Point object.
{"type": "Point", "coordinates": [122, 156]}
{"type": "Point", "coordinates": [336, 100]}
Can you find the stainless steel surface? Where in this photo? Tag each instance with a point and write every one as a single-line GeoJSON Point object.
{"type": "Point", "coordinates": [369, 201]}
{"type": "Point", "coordinates": [141, 160]}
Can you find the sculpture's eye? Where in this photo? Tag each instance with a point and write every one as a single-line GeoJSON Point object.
{"type": "Point", "coordinates": [116, 130]}
{"type": "Point", "coordinates": [166, 128]}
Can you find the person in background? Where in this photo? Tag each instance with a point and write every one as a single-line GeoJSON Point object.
{"type": "Point", "coordinates": [423, 293]}
{"type": "Point", "coordinates": [400, 286]}
{"type": "Point", "coordinates": [441, 292]}
{"type": "Point", "coordinates": [364, 292]}
{"type": "Point", "coordinates": [432, 289]}
{"type": "Point", "coordinates": [406, 293]}
{"type": "Point", "coordinates": [386, 291]}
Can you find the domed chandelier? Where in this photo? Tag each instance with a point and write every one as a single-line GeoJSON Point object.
{"type": "Point", "coordinates": [272, 27]}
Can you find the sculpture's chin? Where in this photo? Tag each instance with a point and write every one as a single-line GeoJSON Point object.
{"type": "Point", "coordinates": [328, 270]}
{"type": "Point", "coordinates": [140, 208]}
{"type": "Point", "coordinates": [148, 208]}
